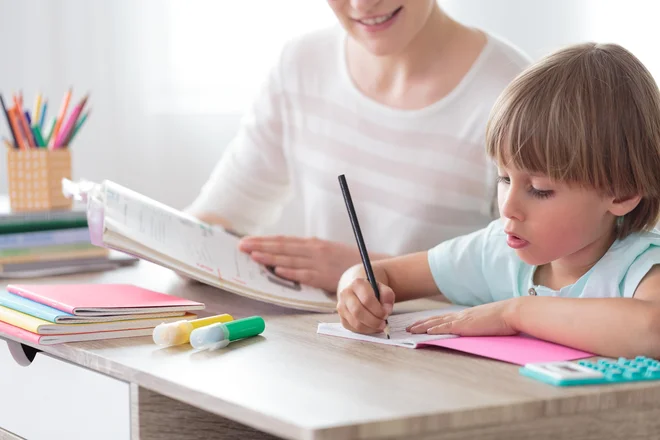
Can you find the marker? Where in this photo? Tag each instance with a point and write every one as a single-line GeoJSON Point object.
{"type": "Point", "coordinates": [220, 335]}
{"type": "Point", "coordinates": [176, 333]}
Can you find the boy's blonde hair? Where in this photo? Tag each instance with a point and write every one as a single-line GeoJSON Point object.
{"type": "Point", "coordinates": [588, 115]}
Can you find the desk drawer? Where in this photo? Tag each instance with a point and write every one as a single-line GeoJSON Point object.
{"type": "Point", "coordinates": [54, 399]}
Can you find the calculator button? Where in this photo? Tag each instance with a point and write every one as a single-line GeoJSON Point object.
{"type": "Point", "coordinates": [633, 373]}
{"type": "Point", "coordinates": [653, 371]}
{"type": "Point", "coordinates": [614, 375]}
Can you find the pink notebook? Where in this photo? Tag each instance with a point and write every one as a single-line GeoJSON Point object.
{"type": "Point", "coordinates": [25, 336]}
{"type": "Point", "coordinates": [519, 349]}
{"type": "Point", "coordinates": [103, 299]}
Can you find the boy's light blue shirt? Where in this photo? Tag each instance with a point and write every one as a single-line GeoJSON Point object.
{"type": "Point", "coordinates": [480, 268]}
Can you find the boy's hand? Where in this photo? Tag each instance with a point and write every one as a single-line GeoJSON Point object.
{"type": "Point", "coordinates": [360, 311]}
{"type": "Point", "coordinates": [494, 319]}
{"type": "Point", "coordinates": [310, 261]}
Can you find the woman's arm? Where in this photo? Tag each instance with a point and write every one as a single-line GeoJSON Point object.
{"type": "Point", "coordinates": [210, 218]}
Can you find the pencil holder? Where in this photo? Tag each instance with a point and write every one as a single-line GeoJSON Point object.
{"type": "Point", "coordinates": [35, 179]}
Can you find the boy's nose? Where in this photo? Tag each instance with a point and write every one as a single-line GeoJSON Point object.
{"type": "Point", "coordinates": [510, 206]}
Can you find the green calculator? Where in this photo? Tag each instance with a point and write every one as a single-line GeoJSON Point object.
{"type": "Point", "coordinates": [603, 371]}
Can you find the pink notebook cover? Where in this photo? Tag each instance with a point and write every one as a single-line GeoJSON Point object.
{"type": "Point", "coordinates": [25, 336]}
{"type": "Point", "coordinates": [519, 349]}
{"type": "Point", "coordinates": [100, 297]}
{"type": "Point", "coordinates": [19, 333]}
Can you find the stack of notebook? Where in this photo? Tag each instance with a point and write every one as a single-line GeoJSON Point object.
{"type": "Point", "coordinates": [58, 313]}
{"type": "Point", "coordinates": [50, 243]}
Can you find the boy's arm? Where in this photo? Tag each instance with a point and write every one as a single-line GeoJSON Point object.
{"type": "Point", "coordinates": [626, 327]}
{"type": "Point", "coordinates": [409, 276]}
{"type": "Point", "coordinates": [400, 279]}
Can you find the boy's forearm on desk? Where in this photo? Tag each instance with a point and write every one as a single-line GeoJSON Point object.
{"type": "Point", "coordinates": [606, 326]}
{"type": "Point", "coordinates": [409, 276]}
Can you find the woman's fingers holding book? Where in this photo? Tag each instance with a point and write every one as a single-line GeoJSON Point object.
{"type": "Point", "coordinates": [311, 261]}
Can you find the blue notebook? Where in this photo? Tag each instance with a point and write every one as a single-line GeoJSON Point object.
{"type": "Point", "coordinates": [50, 314]}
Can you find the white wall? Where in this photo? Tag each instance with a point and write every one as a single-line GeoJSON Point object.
{"type": "Point", "coordinates": [158, 127]}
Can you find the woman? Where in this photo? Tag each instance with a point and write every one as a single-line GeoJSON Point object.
{"type": "Point", "coordinates": [397, 99]}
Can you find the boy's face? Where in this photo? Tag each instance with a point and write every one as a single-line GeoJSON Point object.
{"type": "Point", "coordinates": [383, 27]}
{"type": "Point", "coordinates": [547, 221]}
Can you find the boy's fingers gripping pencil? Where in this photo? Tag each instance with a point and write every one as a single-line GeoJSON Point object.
{"type": "Point", "coordinates": [176, 333]}
{"type": "Point", "coordinates": [360, 242]}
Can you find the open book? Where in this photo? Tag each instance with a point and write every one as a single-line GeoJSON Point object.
{"type": "Point", "coordinates": [127, 221]}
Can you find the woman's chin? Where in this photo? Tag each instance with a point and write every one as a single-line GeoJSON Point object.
{"type": "Point", "coordinates": [382, 47]}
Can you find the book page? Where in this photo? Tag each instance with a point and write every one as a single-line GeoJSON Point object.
{"type": "Point", "coordinates": [398, 334]}
{"type": "Point", "coordinates": [194, 243]}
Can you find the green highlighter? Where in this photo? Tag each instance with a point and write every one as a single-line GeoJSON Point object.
{"type": "Point", "coordinates": [219, 335]}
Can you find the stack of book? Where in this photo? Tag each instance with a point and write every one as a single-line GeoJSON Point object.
{"type": "Point", "coordinates": [53, 314]}
{"type": "Point", "coordinates": [50, 243]}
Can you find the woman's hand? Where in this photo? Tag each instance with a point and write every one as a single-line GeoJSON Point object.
{"type": "Point", "coordinates": [360, 311]}
{"type": "Point", "coordinates": [493, 319]}
{"type": "Point", "coordinates": [310, 261]}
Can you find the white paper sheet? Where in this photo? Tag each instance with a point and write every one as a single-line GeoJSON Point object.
{"type": "Point", "coordinates": [398, 334]}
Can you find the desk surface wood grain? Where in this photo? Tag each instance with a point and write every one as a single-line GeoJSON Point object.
{"type": "Point", "coordinates": [294, 383]}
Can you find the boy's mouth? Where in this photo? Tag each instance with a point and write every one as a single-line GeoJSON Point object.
{"type": "Point", "coordinates": [516, 242]}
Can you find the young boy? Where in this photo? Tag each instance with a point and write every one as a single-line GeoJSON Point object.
{"type": "Point", "coordinates": [573, 260]}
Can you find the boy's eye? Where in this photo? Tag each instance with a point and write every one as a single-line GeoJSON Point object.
{"type": "Point", "coordinates": [541, 194]}
{"type": "Point", "coordinates": [538, 193]}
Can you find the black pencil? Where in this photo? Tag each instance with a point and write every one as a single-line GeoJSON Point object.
{"type": "Point", "coordinates": [360, 242]}
{"type": "Point", "coordinates": [11, 127]}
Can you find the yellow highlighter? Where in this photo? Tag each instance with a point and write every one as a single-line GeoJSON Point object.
{"type": "Point", "coordinates": [176, 333]}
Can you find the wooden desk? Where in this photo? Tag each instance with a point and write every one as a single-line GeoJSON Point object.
{"type": "Point", "coordinates": [296, 384]}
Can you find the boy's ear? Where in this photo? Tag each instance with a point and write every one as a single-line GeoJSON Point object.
{"type": "Point", "coordinates": [623, 205]}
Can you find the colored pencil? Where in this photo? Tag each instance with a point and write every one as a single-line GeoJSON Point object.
{"type": "Point", "coordinates": [11, 127]}
{"type": "Point", "coordinates": [60, 118]}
